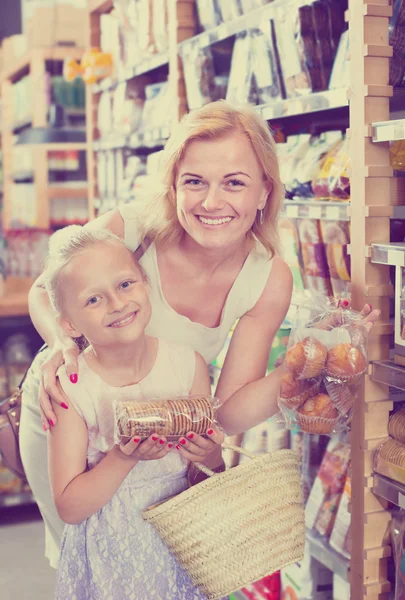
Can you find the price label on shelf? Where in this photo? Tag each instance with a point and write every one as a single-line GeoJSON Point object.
{"type": "Point", "coordinates": [315, 212]}
{"type": "Point", "coordinates": [333, 213]}
{"type": "Point", "coordinates": [292, 211]}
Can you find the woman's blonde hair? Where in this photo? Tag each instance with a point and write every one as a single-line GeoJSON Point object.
{"type": "Point", "coordinates": [158, 217]}
{"type": "Point", "coordinates": [67, 243]}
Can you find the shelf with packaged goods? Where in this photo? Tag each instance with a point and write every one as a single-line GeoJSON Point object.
{"type": "Point", "coordinates": [389, 490]}
{"type": "Point", "coordinates": [18, 499]}
{"type": "Point", "coordinates": [316, 209]}
{"type": "Point", "coordinates": [148, 64]}
{"type": "Point", "coordinates": [292, 107]}
{"type": "Point", "coordinates": [70, 191]}
{"type": "Point", "coordinates": [22, 65]}
{"type": "Point", "coordinates": [327, 556]}
{"type": "Point", "coordinates": [253, 19]}
{"type": "Point", "coordinates": [155, 138]}
{"type": "Point", "coordinates": [388, 131]}
{"type": "Point", "coordinates": [101, 6]}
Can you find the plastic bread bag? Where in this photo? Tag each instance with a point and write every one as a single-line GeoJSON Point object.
{"type": "Point", "coordinates": [389, 460]}
{"type": "Point", "coordinates": [397, 530]}
{"type": "Point", "coordinates": [290, 154]}
{"type": "Point", "coordinates": [199, 75]}
{"type": "Point", "coordinates": [264, 67]}
{"type": "Point", "coordinates": [336, 238]}
{"type": "Point", "coordinates": [172, 417]}
{"type": "Point", "coordinates": [208, 13]}
{"type": "Point", "coordinates": [324, 362]}
{"type": "Point", "coordinates": [230, 9]}
{"type": "Point", "coordinates": [313, 256]}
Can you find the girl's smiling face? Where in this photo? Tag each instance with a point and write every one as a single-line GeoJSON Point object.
{"type": "Point", "coordinates": [219, 188]}
{"type": "Point", "coordinates": [105, 297]}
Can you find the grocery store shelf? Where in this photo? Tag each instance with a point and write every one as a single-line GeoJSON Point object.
{"type": "Point", "coordinates": [150, 139]}
{"type": "Point", "coordinates": [389, 490]}
{"type": "Point", "coordinates": [328, 557]}
{"type": "Point", "coordinates": [22, 65]}
{"type": "Point", "coordinates": [316, 102]}
{"type": "Point", "coordinates": [7, 500]}
{"type": "Point", "coordinates": [316, 209]}
{"type": "Point", "coordinates": [70, 190]}
{"type": "Point", "coordinates": [254, 18]}
{"type": "Point", "coordinates": [112, 143]}
{"type": "Point", "coordinates": [388, 131]}
{"type": "Point", "coordinates": [148, 64]}
{"type": "Point", "coordinates": [101, 6]}
{"type": "Point", "coordinates": [388, 373]}
{"type": "Point", "coordinates": [21, 124]}
{"type": "Point", "coordinates": [388, 254]}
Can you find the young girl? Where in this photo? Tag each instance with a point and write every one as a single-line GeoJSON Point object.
{"type": "Point", "coordinates": [108, 552]}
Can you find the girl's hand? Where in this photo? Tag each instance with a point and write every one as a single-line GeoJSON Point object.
{"type": "Point", "coordinates": [195, 448]}
{"type": "Point", "coordinates": [65, 352]}
{"type": "Point", "coordinates": [153, 448]}
{"type": "Point", "coordinates": [336, 319]}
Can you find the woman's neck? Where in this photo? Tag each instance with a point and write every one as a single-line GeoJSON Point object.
{"type": "Point", "coordinates": [210, 259]}
{"type": "Point", "coordinates": [123, 363]}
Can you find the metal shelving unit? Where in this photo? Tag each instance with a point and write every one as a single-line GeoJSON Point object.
{"type": "Point", "coordinates": [389, 490]}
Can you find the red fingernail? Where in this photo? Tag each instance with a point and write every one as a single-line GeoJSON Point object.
{"type": "Point", "coordinates": [51, 422]}
{"type": "Point", "coordinates": [63, 405]}
{"type": "Point", "coordinates": [170, 445]}
{"type": "Point", "coordinates": [190, 436]}
{"type": "Point", "coordinates": [371, 306]}
{"type": "Point", "coordinates": [182, 442]}
{"type": "Point", "coordinates": [136, 440]}
{"type": "Point", "coordinates": [44, 427]}
{"type": "Point", "coordinates": [210, 431]}
{"type": "Point", "coordinates": [178, 447]}
{"type": "Point", "coordinates": [155, 438]}
{"type": "Point", "coordinates": [73, 378]}
{"type": "Point", "coordinates": [161, 441]}
{"type": "Point", "coordinates": [345, 302]}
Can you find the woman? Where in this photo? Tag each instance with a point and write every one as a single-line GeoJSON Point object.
{"type": "Point", "coordinates": [213, 259]}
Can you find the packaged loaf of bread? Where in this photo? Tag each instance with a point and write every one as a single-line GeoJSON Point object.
{"type": "Point", "coordinates": [172, 417]}
{"type": "Point", "coordinates": [397, 41]}
{"type": "Point", "coordinates": [389, 460]}
{"type": "Point", "coordinates": [325, 360]}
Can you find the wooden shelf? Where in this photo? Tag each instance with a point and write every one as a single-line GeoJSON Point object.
{"type": "Point", "coordinates": [14, 303]}
{"type": "Point", "coordinates": [22, 65]}
{"type": "Point", "coordinates": [101, 6]}
{"type": "Point", "coordinates": [57, 192]}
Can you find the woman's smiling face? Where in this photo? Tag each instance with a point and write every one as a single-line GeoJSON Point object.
{"type": "Point", "coordinates": [219, 189]}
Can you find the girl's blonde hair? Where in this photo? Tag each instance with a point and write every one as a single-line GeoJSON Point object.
{"type": "Point", "coordinates": [64, 245]}
{"type": "Point", "coordinates": [158, 218]}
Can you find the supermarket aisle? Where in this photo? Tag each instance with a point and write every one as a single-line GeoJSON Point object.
{"type": "Point", "coordinates": [24, 572]}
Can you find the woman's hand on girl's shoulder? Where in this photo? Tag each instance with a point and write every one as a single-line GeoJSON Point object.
{"type": "Point", "coordinates": [153, 448]}
{"type": "Point", "coordinates": [49, 389]}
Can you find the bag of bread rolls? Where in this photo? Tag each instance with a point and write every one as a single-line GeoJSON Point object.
{"type": "Point", "coordinates": [172, 417]}
{"type": "Point", "coordinates": [325, 359]}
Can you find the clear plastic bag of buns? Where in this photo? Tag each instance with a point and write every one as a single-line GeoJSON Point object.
{"type": "Point", "coordinates": [325, 360]}
{"type": "Point", "coordinates": [171, 417]}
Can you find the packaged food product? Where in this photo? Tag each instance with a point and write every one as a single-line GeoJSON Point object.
{"type": "Point", "coordinates": [396, 426]}
{"type": "Point", "coordinates": [229, 9]}
{"type": "Point", "coordinates": [248, 5]}
{"type": "Point", "coordinates": [160, 24]}
{"type": "Point", "coordinates": [264, 67]}
{"type": "Point", "coordinates": [325, 360]}
{"type": "Point", "coordinates": [144, 28]}
{"type": "Point", "coordinates": [208, 13]}
{"type": "Point", "coordinates": [397, 155]}
{"type": "Point", "coordinates": [310, 164]}
{"type": "Point", "coordinates": [171, 418]}
{"type": "Point", "coordinates": [240, 89]}
{"type": "Point", "coordinates": [313, 255]}
{"type": "Point", "coordinates": [340, 76]}
{"type": "Point", "coordinates": [326, 492]}
{"type": "Point", "coordinates": [199, 75]}
{"type": "Point", "coordinates": [340, 539]}
{"type": "Point", "coordinates": [397, 41]}
{"type": "Point", "coordinates": [336, 238]}
{"type": "Point", "coordinates": [389, 460]}
{"type": "Point", "coordinates": [333, 182]}
{"type": "Point", "coordinates": [397, 530]}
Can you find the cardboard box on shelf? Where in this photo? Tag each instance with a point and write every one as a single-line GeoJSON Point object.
{"type": "Point", "coordinates": [61, 24]}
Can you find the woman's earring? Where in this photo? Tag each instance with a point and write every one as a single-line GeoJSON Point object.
{"type": "Point", "coordinates": [261, 217]}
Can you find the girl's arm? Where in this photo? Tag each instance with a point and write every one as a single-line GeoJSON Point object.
{"type": "Point", "coordinates": [78, 493]}
{"type": "Point", "coordinates": [249, 397]}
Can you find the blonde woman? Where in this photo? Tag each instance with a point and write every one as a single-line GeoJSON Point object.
{"type": "Point", "coordinates": [212, 258]}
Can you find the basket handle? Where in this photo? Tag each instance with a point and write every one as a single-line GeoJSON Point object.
{"type": "Point", "coordinates": [225, 446]}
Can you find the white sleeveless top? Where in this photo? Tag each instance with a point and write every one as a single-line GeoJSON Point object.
{"type": "Point", "coordinates": [172, 375]}
{"type": "Point", "coordinates": [166, 323]}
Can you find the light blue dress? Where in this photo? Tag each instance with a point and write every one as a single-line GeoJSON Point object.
{"type": "Point", "coordinates": [114, 554]}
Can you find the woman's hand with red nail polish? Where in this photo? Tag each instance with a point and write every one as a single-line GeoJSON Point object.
{"type": "Point", "coordinates": [152, 448]}
{"type": "Point", "coordinates": [197, 448]}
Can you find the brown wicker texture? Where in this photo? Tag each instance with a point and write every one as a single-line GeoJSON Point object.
{"type": "Point", "coordinates": [236, 527]}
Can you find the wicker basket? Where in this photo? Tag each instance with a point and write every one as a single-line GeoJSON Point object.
{"type": "Point", "coordinates": [236, 527]}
